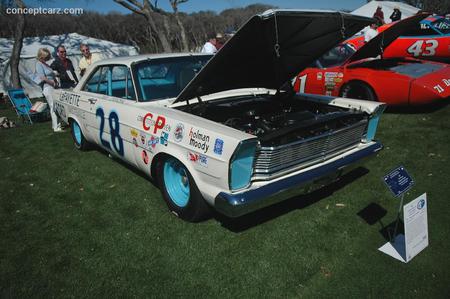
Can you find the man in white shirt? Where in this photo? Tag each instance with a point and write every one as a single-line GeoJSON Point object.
{"type": "Point", "coordinates": [371, 32]}
{"type": "Point", "coordinates": [87, 59]}
{"type": "Point", "coordinates": [210, 46]}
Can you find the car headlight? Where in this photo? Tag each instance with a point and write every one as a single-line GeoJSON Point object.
{"type": "Point", "coordinates": [241, 165]}
{"type": "Point", "coordinates": [373, 124]}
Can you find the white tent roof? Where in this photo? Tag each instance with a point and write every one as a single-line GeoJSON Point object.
{"type": "Point", "coordinates": [71, 41]}
{"type": "Point", "coordinates": [368, 9]}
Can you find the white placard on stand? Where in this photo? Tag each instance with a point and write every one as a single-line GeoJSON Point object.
{"type": "Point", "coordinates": [407, 246]}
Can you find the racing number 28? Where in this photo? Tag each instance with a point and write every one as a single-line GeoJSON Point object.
{"type": "Point", "coordinates": [417, 48]}
{"type": "Point", "coordinates": [114, 127]}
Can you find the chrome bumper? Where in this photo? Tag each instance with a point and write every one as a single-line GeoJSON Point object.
{"type": "Point", "coordinates": [238, 204]}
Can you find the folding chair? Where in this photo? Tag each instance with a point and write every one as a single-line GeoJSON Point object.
{"type": "Point", "coordinates": [22, 105]}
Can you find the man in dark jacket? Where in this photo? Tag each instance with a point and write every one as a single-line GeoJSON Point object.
{"type": "Point", "coordinates": [65, 69]}
{"type": "Point", "coordinates": [396, 15]}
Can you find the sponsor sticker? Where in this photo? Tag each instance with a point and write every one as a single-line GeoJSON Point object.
{"type": "Point", "coordinates": [218, 146]}
{"type": "Point", "coordinates": [145, 156]}
{"type": "Point", "coordinates": [135, 142]}
{"type": "Point", "coordinates": [143, 139]}
{"type": "Point", "coordinates": [331, 74]}
{"type": "Point", "coordinates": [319, 76]}
{"type": "Point", "coordinates": [134, 133]}
{"type": "Point", "coordinates": [164, 138]}
{"type": "Point", "coordinates": [158, 123]}
{"type": "Point", "coordinates": [153, 141]}
{"type": "Point", "coordinates": [198, 159]}
{"type": "Point", "coordinates": [178, 133]}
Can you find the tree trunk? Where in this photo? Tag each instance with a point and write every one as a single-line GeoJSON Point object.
{"type": "Point", "coordinates": [161, 36]}
{"type": "Point", "coordinates": [184, 42]}
{"type": "Point", "coordinates": [17, 48]}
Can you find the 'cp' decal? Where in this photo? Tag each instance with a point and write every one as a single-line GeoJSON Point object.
{"type": "Point", "coordinates": [159, 123]}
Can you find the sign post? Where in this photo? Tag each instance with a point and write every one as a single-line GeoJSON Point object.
{"type": "Point", "coordinates": [398, 181]}
{"type": "Point", "coordinates": [405, 247]}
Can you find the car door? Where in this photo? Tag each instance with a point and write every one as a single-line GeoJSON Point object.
{"type": "Point", "coordinates": [111, 96]}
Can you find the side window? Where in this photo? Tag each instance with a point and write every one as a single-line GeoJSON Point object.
{"type": "Point", "coordinates": [113, 81]}
{"type": "Point", "coordinates": [121, 83]}
{"type": "Point", "coordinates": [98, 82]}
{"type": "Point", "coordinates": [103, 81]}
{"type": "Point", "coordinates": [92, 84]}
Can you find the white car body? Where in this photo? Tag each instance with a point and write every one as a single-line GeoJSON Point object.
{"type": "Point", "coordinates": [142, 132]}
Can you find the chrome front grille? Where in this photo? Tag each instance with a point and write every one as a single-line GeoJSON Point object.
{"type": "Point", "coordinates": [274, 161]}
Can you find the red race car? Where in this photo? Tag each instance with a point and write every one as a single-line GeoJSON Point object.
{"type": "Point", "coordinates": [358, 74]}
{"type": "Point", "coordinates": [429, 39]}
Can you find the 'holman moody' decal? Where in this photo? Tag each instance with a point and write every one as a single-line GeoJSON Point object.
{"type": "Point", "coordinates": [199, 140]}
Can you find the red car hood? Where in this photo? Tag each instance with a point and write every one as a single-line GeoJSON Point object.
{"type": "Point", "coordinates": [380, 42]}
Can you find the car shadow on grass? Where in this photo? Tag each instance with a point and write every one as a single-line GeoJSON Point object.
{"type": "Point", "coordinates": [126, 165]}
{"type": "Point", "coordinates": [253, 219]}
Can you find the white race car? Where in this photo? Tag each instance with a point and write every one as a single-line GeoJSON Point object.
{"type": "Point", "coordinates": [227, 132]}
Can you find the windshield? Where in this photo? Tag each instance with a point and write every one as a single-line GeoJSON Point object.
{"type": "Point", "coordinates": [164, 78]}
{"type": "Point", "coordinates": [336, 56]}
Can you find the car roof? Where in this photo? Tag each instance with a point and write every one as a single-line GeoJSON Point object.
{"type": "Point", "coordinates": [129, 60]}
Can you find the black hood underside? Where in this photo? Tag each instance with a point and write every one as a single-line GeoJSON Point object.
{"type": "Point", "coordinates": [271, 48]}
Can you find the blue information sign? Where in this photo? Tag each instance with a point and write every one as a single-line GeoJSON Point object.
{"type": "Point", "coordinates": [398, 181]}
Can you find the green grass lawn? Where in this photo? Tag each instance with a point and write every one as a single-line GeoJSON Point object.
{"type": "Point", "coordinates": [80, 224]}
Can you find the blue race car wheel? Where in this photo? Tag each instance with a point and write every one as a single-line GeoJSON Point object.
{"type": "Point", "coordinates": [77, 135]}
{"type": "Point", "coordinates": [180, 191]}
{"type": "Point", "coordinates": [176, 182]}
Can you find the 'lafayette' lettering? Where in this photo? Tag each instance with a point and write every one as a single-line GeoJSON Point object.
{"type": "Point", "coordinates": [199, 140]}
{"type": "Point", "coordinates": [70, 98]}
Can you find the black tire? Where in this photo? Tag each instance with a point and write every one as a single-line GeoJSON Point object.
{"type": "Point", "coordinates": [173, 179]}
{"type": "Point", "coordinates": [358, 90]}
{"type": "Point", "coordinates": [79, 140]}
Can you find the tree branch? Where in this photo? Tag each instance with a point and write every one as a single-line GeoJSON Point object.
{"type": "Point", "coordinates": [128, 6]}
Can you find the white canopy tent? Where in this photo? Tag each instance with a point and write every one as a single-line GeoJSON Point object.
{"type": "Point", "coordinates": [71, 41]}
{"type": "Point", "coordinates": [368, 9]}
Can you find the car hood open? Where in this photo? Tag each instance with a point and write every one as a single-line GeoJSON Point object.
{"type": "Point", "coordinates": [380, 42]}
{"type": "Point", "coordinates": [271, 48]}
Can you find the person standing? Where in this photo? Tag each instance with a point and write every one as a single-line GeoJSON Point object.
{"type": "Point", "coordinates": [64, 67]}
{"type": "Point", "coordinates": [220, 41]}
{"type": "Point", "coordinates": [47, 79]}
{"type": "Point", "coordinates": [210, 46]}
{"type": "Point", "coordinates": [396, 15]}
{"type": "Point", "coordinates": [371, 32]}
{"type": "Point", "coordinates": [87, 59]}
{"type": "Point", "coordinates": [379, 15]}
